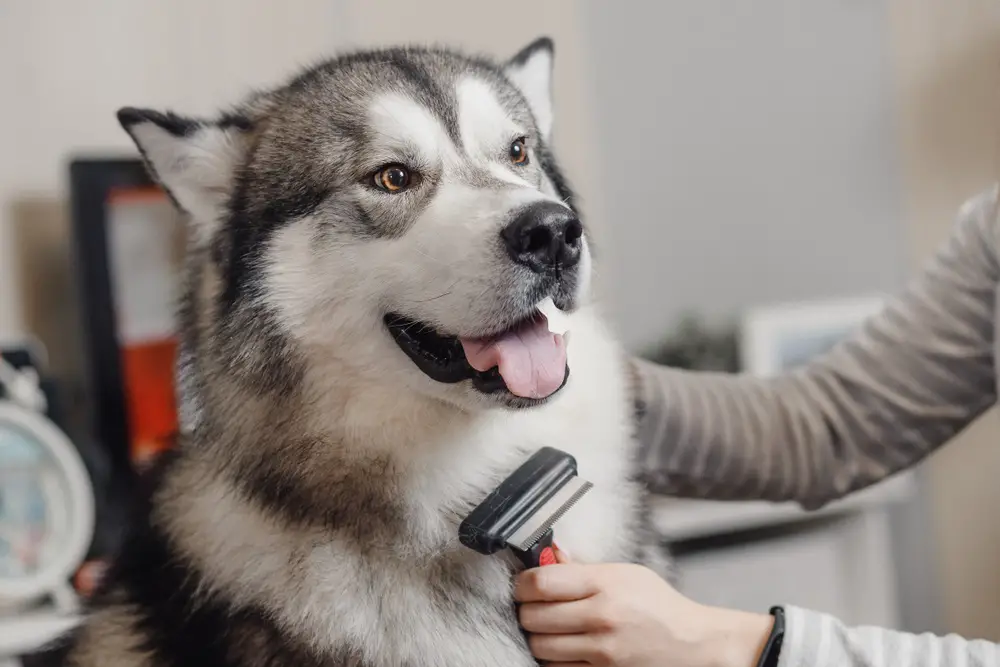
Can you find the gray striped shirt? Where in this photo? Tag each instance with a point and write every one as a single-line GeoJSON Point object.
{"type": "Point", "coordinates": [913, 377]}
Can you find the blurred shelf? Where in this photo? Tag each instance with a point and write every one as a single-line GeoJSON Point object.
{"type": "Point", "coordinates": [844, 567]}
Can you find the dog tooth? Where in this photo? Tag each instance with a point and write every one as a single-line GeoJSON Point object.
{"type": "Point", "coordinates": [558, 321]}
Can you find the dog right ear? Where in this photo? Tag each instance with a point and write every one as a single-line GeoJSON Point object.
{"type": "Point", "coordinates": [531, 71]}
{"type": "Point", "coordinates": [193, 160]}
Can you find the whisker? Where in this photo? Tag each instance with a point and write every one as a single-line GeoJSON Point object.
{"type": "Point", "coordinates": [428, 255]}
{"type": "Point", "coordinates": [435, 298]}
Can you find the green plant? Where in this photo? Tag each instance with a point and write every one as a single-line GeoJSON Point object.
{"type": "Point", "coordinates": [696, 346]}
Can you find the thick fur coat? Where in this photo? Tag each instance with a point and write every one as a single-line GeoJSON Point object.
{"type": "Point", "coordinates": [310, 515]}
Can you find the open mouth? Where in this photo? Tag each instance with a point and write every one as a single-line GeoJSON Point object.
{"type": "Point", "coordinates": [525, 360]}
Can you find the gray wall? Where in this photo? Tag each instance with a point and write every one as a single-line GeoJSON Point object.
{"type": "Point", "coordinates": [747, 154]}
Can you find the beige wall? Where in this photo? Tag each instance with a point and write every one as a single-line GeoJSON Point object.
{"type": "Point", "coordinates": [947, 60]}
{"type": "Point", "coordinates": [66, 68]}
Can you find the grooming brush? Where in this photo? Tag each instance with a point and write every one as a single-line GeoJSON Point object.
{"type": "Point", "coordinates": [520, 512]}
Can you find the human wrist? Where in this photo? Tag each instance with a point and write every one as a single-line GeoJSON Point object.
{"type": "Point", "coordinates": [738, 637]}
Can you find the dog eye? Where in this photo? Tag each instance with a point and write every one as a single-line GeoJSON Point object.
{"type": "Point", "coordinates": [519, 151]}
{"type": "Point", "coordinates": [392, 178]}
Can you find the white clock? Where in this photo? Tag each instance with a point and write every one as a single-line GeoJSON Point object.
{"type": "Point", "coordinates": [46, 513]}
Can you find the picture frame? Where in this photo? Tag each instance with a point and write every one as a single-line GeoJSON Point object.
{"type": "Point", "coordinates": [99, 188]}
{"type": "Point", "coordinates": [776, 338]}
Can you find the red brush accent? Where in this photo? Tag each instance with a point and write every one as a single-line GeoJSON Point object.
{"type": "Point", "coordinates": [547, 557]}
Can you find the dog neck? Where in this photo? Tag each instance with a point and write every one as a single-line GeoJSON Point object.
{"type": "Point", "coordinates": [354, 457]}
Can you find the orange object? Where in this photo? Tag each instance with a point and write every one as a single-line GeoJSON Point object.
{"type": "Point", "coordinates": [148, 370]}
{"type": "Point", "coordinates": [88, 577]}
{"type": "Point", "coordinates": [145, 238]}
{"type": "Point", "coordinates": [547, 557]}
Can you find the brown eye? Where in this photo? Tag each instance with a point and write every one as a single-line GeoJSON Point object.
{"type": "Point", "coordinates": [519, 152]}
{"type": "Point", "coordinates": [393, 178]}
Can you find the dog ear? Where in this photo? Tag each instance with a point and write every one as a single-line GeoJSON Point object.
{"type": "Point", "coordinates": [193, 160]}
{"type": "Point", "coordinates": [531, 71]}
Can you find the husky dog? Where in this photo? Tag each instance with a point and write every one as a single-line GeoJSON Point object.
{"type": "Point", "coordinates": [363, 359]}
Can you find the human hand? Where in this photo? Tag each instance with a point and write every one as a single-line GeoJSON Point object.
{"type": "Point", "coordinates": [620, 615]}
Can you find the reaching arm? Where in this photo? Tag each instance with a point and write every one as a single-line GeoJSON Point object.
{"type": "Point", "coordinates": [818, 640]}
{"type": "Point", "coordinates": [913, 377]}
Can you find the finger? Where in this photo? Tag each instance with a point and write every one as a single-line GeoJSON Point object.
{"type": "Point", "coordinates": [555, 583]}
{"type": "Point", "coordinates": [562, 556]}
{"type": "Point", "coordinates": [559, 618]}
{"type": "Point", "coordinates": [561, 648]}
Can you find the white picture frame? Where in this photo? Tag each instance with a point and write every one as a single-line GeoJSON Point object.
{"type": "Point", "coordinates": [778, 337]}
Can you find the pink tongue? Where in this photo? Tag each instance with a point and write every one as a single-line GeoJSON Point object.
{"type": "Point", "coordinates": [531, 359]}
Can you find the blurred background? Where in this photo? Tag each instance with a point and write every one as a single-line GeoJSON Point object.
{"type": "Point", "coordinates": [732, 158]}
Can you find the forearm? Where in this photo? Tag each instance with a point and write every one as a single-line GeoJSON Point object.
{"type": "Point", "coordinates": [817, 640]}
{"type": "Point", "coordinates": [913, 377]}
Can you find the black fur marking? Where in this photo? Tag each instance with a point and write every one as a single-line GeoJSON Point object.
{"type": "Point", "coordinates": [541, 44]}
{"type": "Point", "coordinates": [548, 163]}
{"type": "Point", "coordinates": [366, 220]}
{"type": "Point", "coordinates": [233, 120]}
{"type": "Point", "coordinates": [256, 352]}
{"type": "Point", "coordinates": [187, 310]}
{"type": "Point", "coordinates": [430, 93]}
{"type": "Point", "coordinates": [55, 654]}
{"type": "Point", "coordinates": [181, 126]}
{"type": "Point", "coordinates": [220, 251]}
{"type": "Point", "coordinates": [278, 199]}
{"type": "Point", "coordinates": [178, 126]}
{"type": "Point", "coordinates": [353, 498]}
{"type": "Point", "coordinates": [181, 623]}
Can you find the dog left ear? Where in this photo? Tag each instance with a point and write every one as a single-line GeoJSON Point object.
{"type": "Point", "coordinates": [193, 160]}
{"type": "Point", "coordinates": [531, 71]}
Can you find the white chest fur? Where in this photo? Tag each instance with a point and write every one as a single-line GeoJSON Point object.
{"type": "Point", "coordinates": [589, 419]}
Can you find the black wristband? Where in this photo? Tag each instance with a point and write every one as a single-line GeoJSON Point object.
{"type": "Point", "coordinates": [772, 648]}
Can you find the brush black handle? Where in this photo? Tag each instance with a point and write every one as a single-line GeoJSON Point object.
{"type": "Point", "coordinates": [491, 525]}
{"type": "Point", "coordinates": [541, 553]}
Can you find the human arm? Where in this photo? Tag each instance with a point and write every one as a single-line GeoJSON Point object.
{"type": "Point", "coordinates": [813, 639]}
{"type": "Point", "coordinates": [617, 615]}
{"type": "Point", "coordinates": [909, 380]}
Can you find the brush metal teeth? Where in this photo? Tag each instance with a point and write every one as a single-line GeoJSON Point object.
{"type": "Point", "coordinates": [561, 502]}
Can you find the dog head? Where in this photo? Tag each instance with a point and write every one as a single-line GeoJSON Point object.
{"type": "Point", "coordinates": [396, 214]}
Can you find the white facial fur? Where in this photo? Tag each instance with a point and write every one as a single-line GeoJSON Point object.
{"type": "Point", "coordinates": [448, 269]}
{"type": "Point", "coordinates": [486, 130]}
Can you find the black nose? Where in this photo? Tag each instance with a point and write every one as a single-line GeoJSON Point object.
{"type": "Point", "coordinates": [544, 237]}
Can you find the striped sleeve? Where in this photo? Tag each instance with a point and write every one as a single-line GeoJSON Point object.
{"type": "Point", "coordinates": [813, 639]}
{"type": "Point", "coordinates": [909, 380]}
